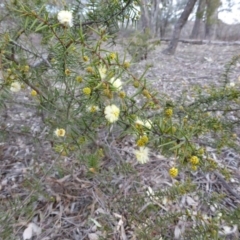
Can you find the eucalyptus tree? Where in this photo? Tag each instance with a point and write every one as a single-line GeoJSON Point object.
{"type": "Point", "coordinates": [212, 7]}
{"type": "Point", "coordinates": [198, 19]}
{"type": "Point", "coordinates": [178, 27]}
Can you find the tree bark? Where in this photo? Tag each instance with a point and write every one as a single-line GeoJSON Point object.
{"type": "Point", "coordinates": [178, 27]}
{"type": "Point", "coordinates": [164, 21]}
{"type": "Point", "coordinates": [155, 13]}
{"type": "Point", "coordinates": [211, 18]}
{"type": "Point", "coordinates": [199, 17]}
{"type": "Point", "coordinates": [145, 16]}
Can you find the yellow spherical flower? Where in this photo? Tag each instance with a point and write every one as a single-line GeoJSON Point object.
{"type": "Point", "coordinates": [100, 153]}
{"type": "Point", "coordinates": [105, 38]}
{"type": "Point", "coordinates": [85, 58]}
{"type": "Point", "coordinates": [122, 95]}
{"type": "Point", "coordinates": [89, 70]}
{"type": "Point", "coordinates": [136, 84]}
{"type": "Point", "coordinates": [168, 112]}
{"type": "Point", "coordinates": [173, 172]}
{"type": "Point", "coordinates": [142, 155]}
{"type": "Point", "coordinates": [33, 93]}
{"type": "Point", "coordinates": [65, 18]}
{"type": "Point", "coordinates": [64, 153]}
{"type": "Point", "coordinates": [87, 91]}
{"type": "Point", "coordinates": [26, 68]}
{"type": "Point", "coordinates": [174, 129]}
{"type": "Point", "coordinates": [142, 141]}
{"type": "Point", "coordinates": [112, 113]}
{"type": "Point", "coordinates": [92, 170]}
{"type": "Point", "coordinates": [67, 72]}
{"type": "Point", "coordinates": [185, 119]}
{"type": "Point", "coordinates": [15, 87]}
{"type": "Point", "coordinates": [146, 93]}
{"type": "Point", "coordinates": [126, 64]}
{"type": "Point", "coordinates": [181, 108]}
{"type": "Point", "coordinates": [60, 132]}
{"type": "Point", "coordinates": [108, 93]}
{"type": "Point", "coordinates": [194, 167]}
{"type": "Point", "coordinates": [201, 151]}
{"type": "Point", "coordinates": [79, 79]}
{"type": "Point", "coordinates": [194, 160]}
{"type": "Point", "coordinates": [112, 56]}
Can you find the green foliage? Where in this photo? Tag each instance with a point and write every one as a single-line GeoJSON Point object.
{"type": "Point", "coordinates": [140, 45]}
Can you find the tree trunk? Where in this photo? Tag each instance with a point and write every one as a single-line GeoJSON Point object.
{"type": "Point", "coordinates": [164, 23]}
{"type": "Point", "coordinates": [145, 16]}
{"type": "Point", "coordinates": [211, 18]}
{"type": "Point", "coordinates": [178, 27]}
{"type": "Point", "coordinates": [155, 12]}
{"type": "Point", "coordinates": [199, 17]}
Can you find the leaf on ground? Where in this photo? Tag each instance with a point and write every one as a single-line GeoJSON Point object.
{"type": "Point", "coordinates": [31, 230]}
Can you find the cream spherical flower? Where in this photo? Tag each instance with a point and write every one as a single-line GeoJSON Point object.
{"type": "Point", "coordinates": [102, 71]}
{"type": "Point", "coordinates": [139, 122]}
{"type": "Point", "coordinates": [148, 124]}
{"type": "Point", "coordinates": [65, 18]}
{"type": "Point", "coordinates": [112, 113]}
{"type": "Point", "coordinates": [142, 155]}
{"type": "Point", "coordinates": [15, 87]}
{"type": "Point", "coordinates": [60, 132]}
{"type": "Point", "coordinates": [116, 83]}
{"type": "Point", "coordinates": [92, 108]}
{"type": "Point", "coordinates": [145, 123]}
